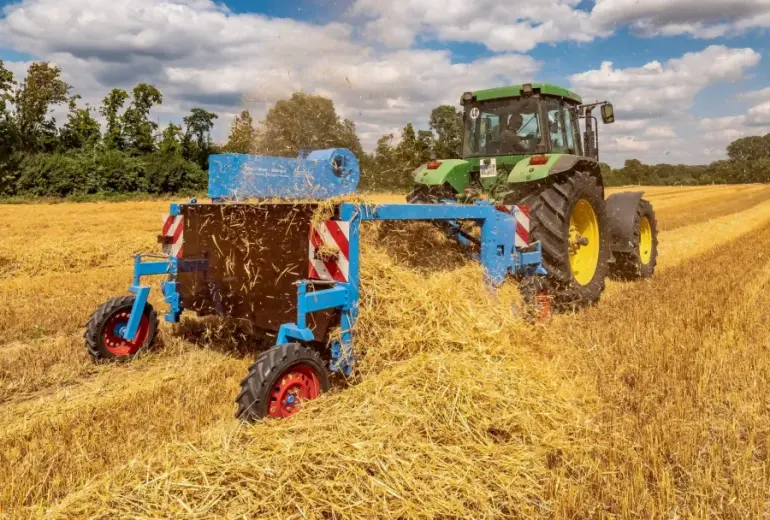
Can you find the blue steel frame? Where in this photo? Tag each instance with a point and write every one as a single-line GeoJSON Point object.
{"type": "Point", "coordinates": [168, 266]}
{"type": "Point", "coordinates": [498, 256]}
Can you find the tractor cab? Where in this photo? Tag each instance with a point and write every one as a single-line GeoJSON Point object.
{"type": "Point", "coordinates": [511, 136]}
{"type": "Point", "coordinates": [528, 119]}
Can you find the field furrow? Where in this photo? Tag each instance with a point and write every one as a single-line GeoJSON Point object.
{"type": "Point", "coordinates": [677, 363]}
{"type": "Point", "coordinates": [64, 438]}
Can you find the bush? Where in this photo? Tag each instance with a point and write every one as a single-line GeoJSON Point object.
{"type": "Point", "coordinates": [52, 175]}
{"type": "Point", "coordinates": [170, 173]}
{"type": "Point", "coordinates": [107, 172]}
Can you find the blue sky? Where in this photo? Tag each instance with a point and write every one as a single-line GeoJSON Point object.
{"type": "Point", "coordinates": [686, 76]}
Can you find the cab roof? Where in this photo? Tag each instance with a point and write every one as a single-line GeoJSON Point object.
{"type": "Point", "coordinates": [515, 91]}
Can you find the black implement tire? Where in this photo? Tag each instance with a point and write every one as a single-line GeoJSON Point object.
{"type": "Point", "coordinates": [551, 205]}
{"type": "Point", "coordinates": [632, 265]}
{"type": "Point", "coordinates": [102, 340]}
{"type": "Point", "coordinates": [262, 388]}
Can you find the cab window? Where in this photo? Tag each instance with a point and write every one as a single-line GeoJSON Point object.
{"type": "Point", "coordinates": [556, 127]}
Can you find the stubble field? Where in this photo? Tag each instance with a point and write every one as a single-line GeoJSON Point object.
{"type": "Point", "coordinates": [652, 404]}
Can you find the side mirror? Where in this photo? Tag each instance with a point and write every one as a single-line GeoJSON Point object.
{"type": "Point", "coordinates": [608, 114]}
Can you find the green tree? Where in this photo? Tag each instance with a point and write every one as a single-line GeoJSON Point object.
{"type": "Point", "coordinates": [243, 135]}
{"type": "Point", "coordinates": [81, 129]}
{"type": "Point", "coordinates": [6, 88]}
{"type": "Point", "coordinates": [137, 126]}
{"type": "Point", "coordinates": [447, 123]}
{"type": "Point", "coordinates": [197, 144]}
{"type": "Point", "coordinates": [305, 122]}
{"type": "Point", "coordinates": [749, 148]}
{"type": "Point", "coordinates": [380, 170]}
{"type": "Point", "coordinates": [41, 90]}
{"type": "Point", "coordinates": [171, 140]}
{"type": "Point", "coordinates": [110, 110]}
{"type": "Point", "coordinates": [8, 134]}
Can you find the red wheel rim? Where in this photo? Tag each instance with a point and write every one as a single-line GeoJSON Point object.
{"type": "Point", "coordinates": [298, 383]}
{"type": "Point", "coordinates": [118, 345]}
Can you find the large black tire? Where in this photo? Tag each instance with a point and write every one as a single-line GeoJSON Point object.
{"type": "Point", "coordinates": [551, 205]}
{"type": "Point", "coordinates": [102, 341]}
{"type": "Point", "coordinates": [638, 264]}
{"type": "Point", "coordinates": [260, 389]}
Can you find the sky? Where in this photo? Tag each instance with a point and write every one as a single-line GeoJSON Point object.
{"type": "Point", "coordinates": [686, 77]}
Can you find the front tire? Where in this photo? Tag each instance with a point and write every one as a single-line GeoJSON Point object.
{"type": "Point", "coordinates": [280, 380]}
{"type": "Point", "coordinates": [102, 336]}
{"type": "Point", "coordinates": [568, 217]}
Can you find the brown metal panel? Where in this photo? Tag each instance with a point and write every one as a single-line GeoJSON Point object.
{"type": "Point", "coordinates": [255, 253]}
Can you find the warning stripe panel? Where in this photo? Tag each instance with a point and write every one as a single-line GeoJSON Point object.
{"type": "Point", "coordinates": [335, 234]}
{"type": "Point", "coordinates": [331, 268]}
{"type": "Point", "coordinates": [173, 227]}
{"type": "Point", "coordinates": [522, 222]}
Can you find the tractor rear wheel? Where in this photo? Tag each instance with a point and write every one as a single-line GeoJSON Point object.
{"type": "Point", "coordinates": [639, 264]}
{"type": "Point", "coordinates": [280, 380]}
{"type": "Point", "coordinates": [568, 217]}
{"type": "Point", "coordinates": [103, 336]}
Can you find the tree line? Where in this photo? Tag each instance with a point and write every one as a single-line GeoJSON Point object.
{"type": "Point", "coordinates": [40, 158]}
{"type": "Point", "coordinates": [748, 161]}
{"type": "Point", "coordinates": [129, 153]}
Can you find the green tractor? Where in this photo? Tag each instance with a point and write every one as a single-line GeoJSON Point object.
{"type": "Point", "coordinates": [522, 145]}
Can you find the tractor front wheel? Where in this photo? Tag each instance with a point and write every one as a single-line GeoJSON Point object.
{"type": "Point", "coordinates": [280, 381]}
{"type": "Point", "coordinates": [104, 339]}
{"type": "Point", "coordinates": [568, 217]}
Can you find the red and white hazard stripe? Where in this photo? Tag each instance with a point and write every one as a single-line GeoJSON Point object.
{"type": "Point", "coordinates": [522, 226]}
{"type": "Point", "coordinates": [522, 223]}
{"type": "Point", "coordinates": [334, 234]}
{"type": "Point", "coordinates": [173, 228]}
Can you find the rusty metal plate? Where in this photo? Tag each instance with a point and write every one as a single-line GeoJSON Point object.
{"type": "Point", "coordinates": [255, 254]}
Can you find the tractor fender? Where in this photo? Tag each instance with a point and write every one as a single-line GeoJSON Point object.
{"type": "Point", "coordinates": [454, 172]}
{"type": "Point", "coordinates": [524, 171]}
{"type": "Point", "coordinates": [567, 163]}
{"type": "Point", "coordinates": [621, 213]}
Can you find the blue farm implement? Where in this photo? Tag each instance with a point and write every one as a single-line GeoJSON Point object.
{"type": "Point", "coordinates": [274, 249]}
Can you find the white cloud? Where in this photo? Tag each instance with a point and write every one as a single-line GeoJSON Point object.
{"type": "Point", "coordinates": [627, 144]}
{"type": "Point", "coordinates": [756, 95]}
{"type": "Point", "coordinates": [515, 25]}
{"type": "Point", "coordinates": [652, 104]}
{"type": "Point", "coordinates": [759, 115]}
{"type": "Point", "coordinates": [725, 136]}
{"type": "Point", "coordinates": [698, 18]}
{"type": "Point", "coordinates": [199, 54]}
{"type": "Point", "coordinates": [660, 131]}
{"type": "Point", "coordinates": [721, 123]}
{"type": "Point", "coordinates": [659, 89]}
{"type": "Point", "coordinates": [520, 25]}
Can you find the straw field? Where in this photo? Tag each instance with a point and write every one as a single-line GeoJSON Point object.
{"type": "Point", "coordinates": [652, 404]}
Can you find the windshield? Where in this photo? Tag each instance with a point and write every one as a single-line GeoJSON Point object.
{"type": "Point", "coordinates": [501, 127]}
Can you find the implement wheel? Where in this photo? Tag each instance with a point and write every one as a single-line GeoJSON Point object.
{"type": "Point", "coordinates": [280, 381]}
{"type": "Point", "coordinates": [568, 216]}
{"type": "Point", "coordinates": [639, 264]}
{"type": "Point", "coordinates": [103, 332]}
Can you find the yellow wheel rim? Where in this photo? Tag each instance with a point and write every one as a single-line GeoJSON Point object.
{"type": "Point", "coordinates": [583, 242]}
{"type": "Point", "coordinates": [645, 241]}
